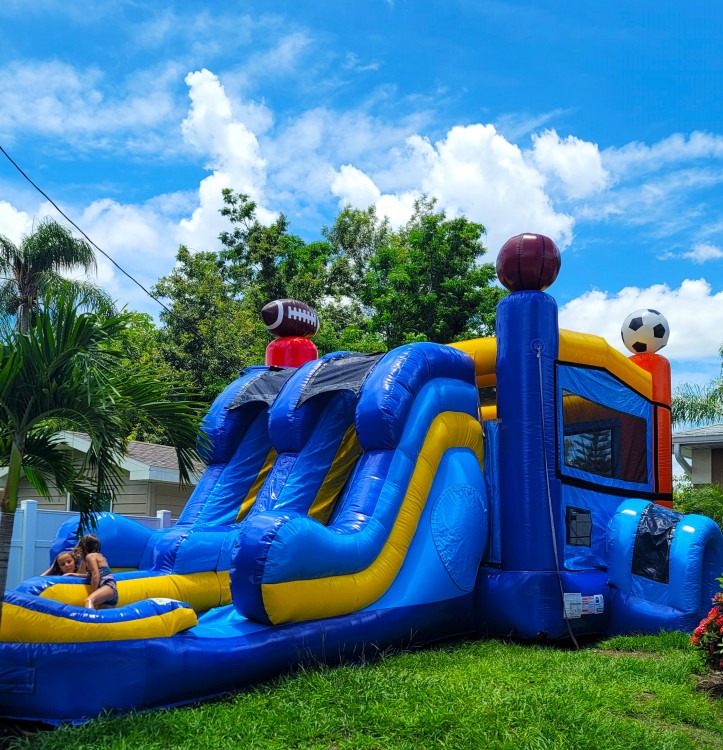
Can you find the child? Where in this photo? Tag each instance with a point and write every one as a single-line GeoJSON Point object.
{"type": "Point", "coordinates": [65, 563]}
{"type": "Point", "coordinates": [103, 589]}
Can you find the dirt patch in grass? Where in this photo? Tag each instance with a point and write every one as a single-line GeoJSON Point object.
{"type": "Point", "coordinates": [711, 683]}
{"type": "Point", "coordinates": [634, 654]}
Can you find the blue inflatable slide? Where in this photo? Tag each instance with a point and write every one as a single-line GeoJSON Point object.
{"type": "Point", "coordinates": [514, 486]}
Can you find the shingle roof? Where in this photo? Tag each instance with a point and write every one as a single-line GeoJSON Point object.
{"type": "Point", "coordinates": [159, 456]}
{"type": "Point", "coordinates": [710, 435]}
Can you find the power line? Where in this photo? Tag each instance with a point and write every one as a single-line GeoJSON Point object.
{"type": "Point", "coordinates": [68, 219]}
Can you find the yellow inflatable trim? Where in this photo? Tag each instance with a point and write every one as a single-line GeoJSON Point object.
{"type": "Point", "coordinates": [484, 353]}
{"type": "Point", "coordinates": [21, 625]}
{"type": "Point", "coordinates": [341, 467]}
{"type": "Point", "coordinates": [202, 591]}
{"type": "Point", "coordinates": [250, 498]}
{"type": "Point", "coordinates": [594, 351]}
{"type": "Point", "coordinates": [295, 601]}
{"type": "Point", "coordinates": [576, 348]}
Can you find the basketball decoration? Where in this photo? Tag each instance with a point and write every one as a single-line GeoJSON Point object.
{"type": "Point", "coordinates": [289, 317]}
{"type": "Point", "coordinates": [528, 261]}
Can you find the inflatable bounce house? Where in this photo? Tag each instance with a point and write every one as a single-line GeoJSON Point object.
{"type": "Point", "coordinates": [514, 486]}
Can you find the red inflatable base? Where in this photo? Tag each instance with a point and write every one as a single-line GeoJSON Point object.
{"type": "Point", "coordinates": [291, 351]}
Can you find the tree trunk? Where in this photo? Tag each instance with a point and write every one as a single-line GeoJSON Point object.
{"type": "Point", "coordinates": [24, 318]}
{"type": "Point", "coordinates": [7, 522]}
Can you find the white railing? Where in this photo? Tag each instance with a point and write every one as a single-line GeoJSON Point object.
{"type": "Point", "coordinates": [34, 531]}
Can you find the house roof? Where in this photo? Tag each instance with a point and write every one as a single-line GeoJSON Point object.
{"type": "Point", "coordinates": [144, 460]}
{"type": "Point", "coordinates": [710, 436]}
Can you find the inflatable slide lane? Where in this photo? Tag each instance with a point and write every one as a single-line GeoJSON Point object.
{"type": "Point", "coordinates": [368, 528]}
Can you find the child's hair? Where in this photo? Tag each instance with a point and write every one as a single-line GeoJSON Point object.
{"type": "Point", "coordinates": [89, 543]}
{"type": "Point", "coordinates": [55, 569]}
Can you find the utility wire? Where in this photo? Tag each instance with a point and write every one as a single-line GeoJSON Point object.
{"type": "Point", "coordinates": [67, 218]}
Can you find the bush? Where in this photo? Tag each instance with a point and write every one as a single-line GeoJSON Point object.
{"type": "Point", "coordinates": [706, 499]}
{"type": "Point", "coordinates": [708, 636]}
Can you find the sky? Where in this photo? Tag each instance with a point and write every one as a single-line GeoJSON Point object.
{"type": "Point", "coordinates": [598, 124]}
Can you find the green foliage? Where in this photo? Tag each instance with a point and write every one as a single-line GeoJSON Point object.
{"type": "Point", "coordinates": [344, 327]}
{"type": "Point", "coordinates": [264, 263]}
{"type": "Point", "coordinates": [211, 334]}
{"type": "Point", "coordinates": [355, 237]}
{"type": "Point", "coordinates": [698, 404]}
{"type": "Point", "coordinates": [617, 695]}
{"type": "Point", "coordinates": [374, 288]}
{"type": "Point", "coordinates": [427, 282]}
{"type": "Point", "coordinates": [140, 344]}
{"type": "Point", "coordinates": [708, 636]}
{"type": "Point", "coordinates": [68, 373]}
{"type": "Point", "coordinates": [706, 499]}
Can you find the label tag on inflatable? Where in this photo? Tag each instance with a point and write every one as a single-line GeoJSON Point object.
{"type": "Point", "coordinates": [577, 605]}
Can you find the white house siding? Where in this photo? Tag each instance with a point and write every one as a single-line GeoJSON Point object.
{"type": "Point", "coordinates": [169, 497]}
{"type": "Point", "coordinates": [701, 461]}
{"type": "Point", "coordinates": [134, 499]}
{"type": "Point", "coordinates": [56, 500]}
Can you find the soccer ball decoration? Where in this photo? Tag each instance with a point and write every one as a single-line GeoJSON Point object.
{"type": "Point", "coordinates": [645, 331]}
{"type": "Point", "coordinates": [528, 261]}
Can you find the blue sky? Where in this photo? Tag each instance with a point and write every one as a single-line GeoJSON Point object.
{"type": "Point", "coordinates": [599, 124]}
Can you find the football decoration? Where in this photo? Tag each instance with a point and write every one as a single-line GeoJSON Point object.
{"type": "Point", "coordinates": [289, 317]}
{"type": "Point", "coordinates": [645, 331]}
{"type": "Point", "coordinates": [528, 261]}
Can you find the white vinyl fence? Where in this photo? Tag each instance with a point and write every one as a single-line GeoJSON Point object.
{"type": "Point", "coordinates": [35, 530]}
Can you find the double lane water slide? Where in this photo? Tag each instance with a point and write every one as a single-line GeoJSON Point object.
{"type": "Point", "coordinates": [344, 508]}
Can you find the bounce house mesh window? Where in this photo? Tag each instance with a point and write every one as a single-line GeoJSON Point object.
{"type": "Point", "coordinates": [487, 395]}
{"type": "Point", "coordinates": [578, 523]}
{"type": "Point", "coordinates": [603, 441]}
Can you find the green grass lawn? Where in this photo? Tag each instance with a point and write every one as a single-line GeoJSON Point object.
{"type": "Point", "coordinates": [637, 693]}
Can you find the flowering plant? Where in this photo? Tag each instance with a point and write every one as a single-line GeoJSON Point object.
{"type": "Point", "coordinates": [708, 636]}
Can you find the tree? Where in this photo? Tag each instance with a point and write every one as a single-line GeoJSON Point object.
{"type": "Point", "coordinates": [67, 374]}
{"type": "Point", "coordinates": [355, 237]}
{"type": "Point", "coordinates": [706, 499]}
{"type": "Point", "coordinates": [34, 267]}
{"type": "Point", "coordinates": [696, 404]}
{"type": "Point", "coordinates": [426, 282]}
{"type": "Point", "coordinates": [264, 263]}
{"type": "Point", "coordinates": [210, 335]}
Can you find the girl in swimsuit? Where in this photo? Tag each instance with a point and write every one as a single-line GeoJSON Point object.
{"type": "Point", "coordinates": [94, 566]}
{"type": "Point", "coordinates": [64, 564]}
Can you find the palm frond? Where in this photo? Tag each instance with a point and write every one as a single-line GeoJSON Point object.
{"type": "Point", "coordinates": [698, 404]}
{"type": "Point", "coordinates": [8, 252]}
{"type": "Point", "coordinates": [53, 247]}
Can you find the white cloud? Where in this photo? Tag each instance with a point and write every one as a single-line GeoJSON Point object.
{"type": "Point", "coordinates": [693, 310]}
{"type": "Point", "coordinates": [14, 223]}
{"type": "Point", "coordinates": [353, 186]}
{"type": "Point", "coordinates": [472, 171]}
{"type": "Point", "coordinates": [140, 239]}
{"type": "Point", "coordinates": [71, 104]}
{"type": "Point", "coordinates": [234, 155]}
{"type": "Point", "coordinates": [675, 148]}
{"type": "Point", "coordinates": [703, 252]}
{"type": "Point", "coordinates": [352, 62]}
{"type": "Point", "coordinates": [575, 163]}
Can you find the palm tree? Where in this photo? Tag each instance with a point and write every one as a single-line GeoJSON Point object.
{"type": "Point", "coordinates": [34, 267]}
{"type": "Point", "coordinates": [699, 404]}
{"type": "Point", "coordinates": [68, 373]}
